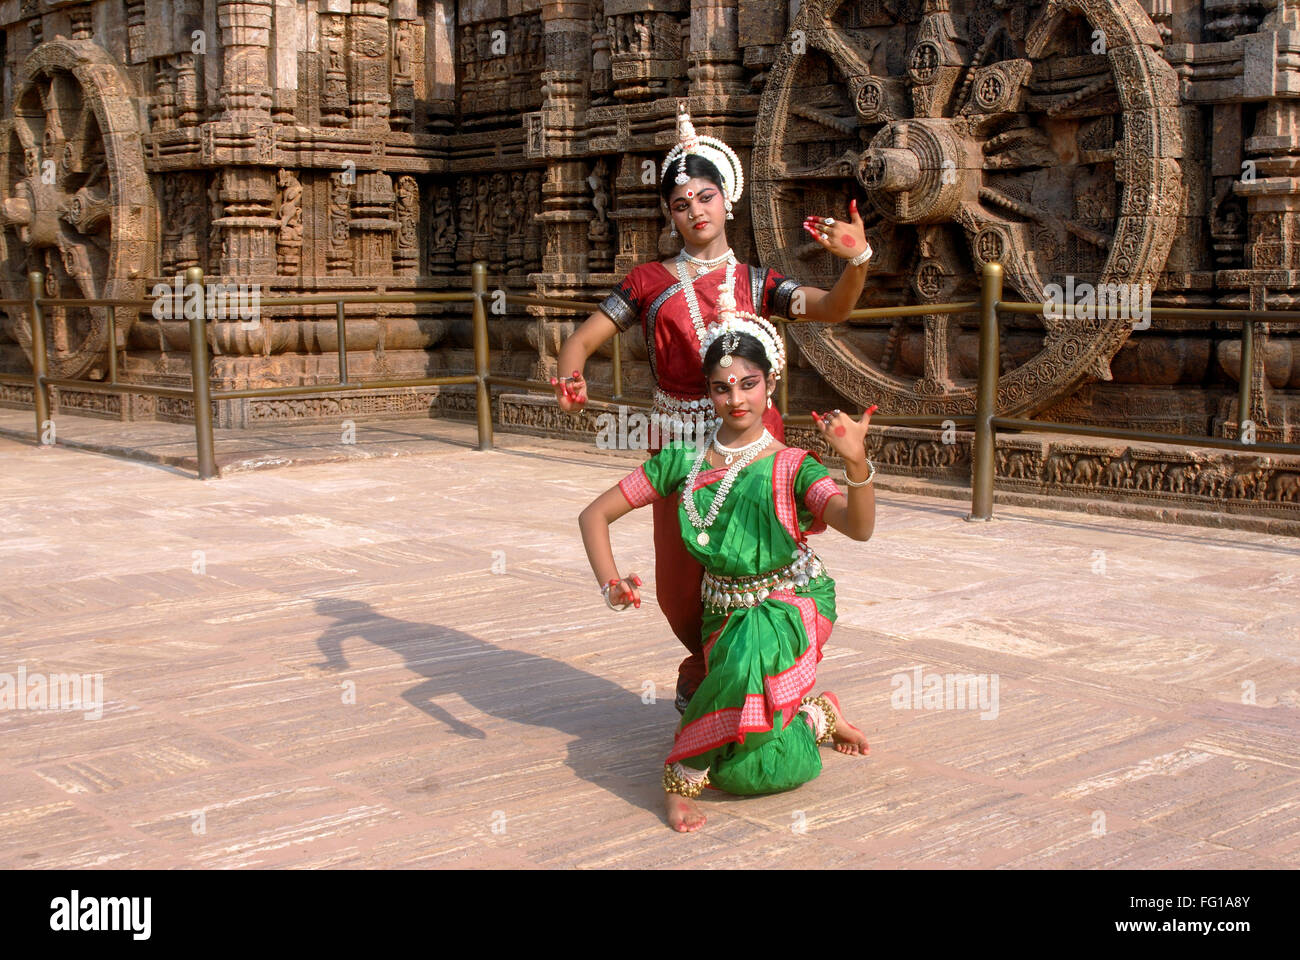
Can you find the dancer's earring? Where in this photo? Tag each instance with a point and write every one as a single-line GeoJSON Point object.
{"type": "Point", "coordinates": [730, 215]}
{"type": "Point", "coordinates": [672, 232]}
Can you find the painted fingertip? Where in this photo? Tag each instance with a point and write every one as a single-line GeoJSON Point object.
{"type": "Point", "coordinates": [873, 408]}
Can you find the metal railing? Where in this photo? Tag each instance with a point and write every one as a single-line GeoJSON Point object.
{"type": "Point", "coordinates": [985, 422]}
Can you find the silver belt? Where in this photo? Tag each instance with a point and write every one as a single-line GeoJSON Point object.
{"type": "Point", "coordinates": [723, 593]}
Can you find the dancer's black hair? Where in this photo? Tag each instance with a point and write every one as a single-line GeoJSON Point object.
{"type": "Point", "coordinates": [749, 348]}
{"type": "Point", "coordinates": [696, 166]}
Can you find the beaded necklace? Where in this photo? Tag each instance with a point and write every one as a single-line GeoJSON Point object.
{"type": "Point", "coordinates": [703, 266]}
{"type": "Point", "coordinates": [748, 454]}
{"type": "Point", "coordinates": [688, 288]}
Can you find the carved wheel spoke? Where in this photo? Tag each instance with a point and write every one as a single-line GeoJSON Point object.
{"type": "Point", "coordinates": [1002, 122]}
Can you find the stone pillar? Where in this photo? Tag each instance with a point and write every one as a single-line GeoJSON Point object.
{"type": "Point", "coordinates": [245, 40]}
{"type": "Point", "coordinates": [715, 51]}
{"type": "Point", "coordinates": [135, 31]}
{"type": "Point", "coordinates": [440, 63]}
{"type": "Point", "coordinates": [290, 37]}
{"type": "Point", "coordinates": [188, 100]}
{"type": "Point", "coordinates": [566, 196]}
{"type": "Point", "coordinates": [334, 92]}
{"type": "Point", "coordinates": [373, 225]}
{"type": "Point", "coordinates": [408, 62]}
{"type": "Point", "coordinates": [566, 211]}
{"type": "Point", "coordinates": [368, 63]}
{"type": "Point", "coordinates": [249, 228]}
{"type": "Point", "coordinates": [81, 21]}
{"type": "Point", "coordinates": [637, 215]}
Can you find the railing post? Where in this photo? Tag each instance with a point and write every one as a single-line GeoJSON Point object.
{"type": "Point", "coordinates": [983, 456]}
{"type": "Point", "coordinates": [618, 365]}
{"type": "Point", "coordinates": [483, 404]}
{"type": "Point", "coordinates": [1247, 371]}
{"type": "Point", "coordinates": [40, 392]}
{"type": "Point", "coordinates": [199, 378]}
{"type": "Point", "coordinates": [112, 343]}
{"type": "Point", "coordinates": [341, 322]}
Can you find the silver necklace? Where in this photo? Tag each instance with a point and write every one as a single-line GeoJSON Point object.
{"type": "Point", "coordinates": [729, 453]}
{"type": "Point", "coordinates": [688, 288]}
{"type": "Point", "coordinates": [688, 493]}
{"type": "Point", "coordinates": [703, 266]}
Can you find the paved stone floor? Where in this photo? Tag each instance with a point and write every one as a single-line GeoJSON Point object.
{"type": "Point", "coordinates": [404, 662]}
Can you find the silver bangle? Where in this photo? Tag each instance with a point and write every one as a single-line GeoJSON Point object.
{"type": "Point", "coordinates": [604, 592]}
{"type": "Point", "coordinates": [862, 257]}
{"type": "Point", "coordinates": [861, 483]}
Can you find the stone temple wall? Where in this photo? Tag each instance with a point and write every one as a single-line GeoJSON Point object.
{"type": "Point", "coordinates": [361, 145]}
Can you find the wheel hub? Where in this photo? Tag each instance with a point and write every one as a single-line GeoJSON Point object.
{"type": "Point", "coordinates": [920, 170]}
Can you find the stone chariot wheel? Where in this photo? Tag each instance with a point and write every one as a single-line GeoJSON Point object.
{"type": "Point", "coordinates": [1043, 135]}
{"type": "Point", "coordinates": [76, 199]}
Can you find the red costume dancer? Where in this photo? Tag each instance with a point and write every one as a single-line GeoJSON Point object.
{"type": "Point", "coordinates": [656, 297]}
{"type": "Point", "coordinates": [675, 303]}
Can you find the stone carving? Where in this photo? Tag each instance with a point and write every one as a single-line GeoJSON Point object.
{"type": "Point", "coordinates": [407, 250]}
{"type": "Point", "coordinates": [289, 242]}
{"type": "Point", "coordinates": [339, 260]}
{"type": "Point", "coordinates": [920, 175]}
{"type": "Point", "coordinates": [442, 240]}
{"type": "Point", "coordinates": [496, 59]}
{"type": "Point", "coordinates": [516, 227]}
{"type": "Point", "coordinates": [81, 192]}
{"type": "Point", "coordinates": [600, 256]}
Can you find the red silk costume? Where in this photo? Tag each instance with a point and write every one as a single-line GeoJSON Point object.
{"type": "Point", "coordinates": [652, 295]}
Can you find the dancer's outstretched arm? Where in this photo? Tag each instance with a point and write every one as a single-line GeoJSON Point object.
{"type": "Point", "coordinates": [846, 239]}
{"type": "Point", "coordinates": [594, 523]}
{"type": "Point", "coordinates": [854, 516]}
{"type": "Point", "coordinates": [570, 386]}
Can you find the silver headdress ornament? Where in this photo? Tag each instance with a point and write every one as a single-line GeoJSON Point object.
{"type": "Point", "coordinates": [711, 149]}
{"type": "Point", "coordinates": [732, 322]}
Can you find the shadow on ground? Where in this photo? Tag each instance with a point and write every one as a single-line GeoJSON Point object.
{"type": "Point", "coordinates": [618, 744]}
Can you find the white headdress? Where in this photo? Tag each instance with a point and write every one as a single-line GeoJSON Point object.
{"type": "Point", "coordinates": [732, 321]}
{"type": "Point", "coordinates": [711, 149]}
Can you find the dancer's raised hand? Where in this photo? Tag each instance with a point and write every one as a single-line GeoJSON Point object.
{"type": "Point", "coordinates": [570, 392]}
{"type": "Point", "coordinates": [844, 238]}
{"type": "Point", "coordinates": [847, 437]}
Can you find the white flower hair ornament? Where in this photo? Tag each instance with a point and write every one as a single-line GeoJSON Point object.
{"type": "Point", "coordinates": [731, 321]}
{"type": "Point", "coordinates": [711, 149]}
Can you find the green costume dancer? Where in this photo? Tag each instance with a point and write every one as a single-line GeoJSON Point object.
{"type": "Point", "coordinates": [768, 610]}
{"type": "Point", "coordinates": [746, 505]}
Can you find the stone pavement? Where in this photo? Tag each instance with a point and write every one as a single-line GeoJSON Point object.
{"type": "Point", "coordinates": [405, 662]}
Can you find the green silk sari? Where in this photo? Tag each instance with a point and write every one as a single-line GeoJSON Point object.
{"type": "Point", "coordinates": [762, 659]}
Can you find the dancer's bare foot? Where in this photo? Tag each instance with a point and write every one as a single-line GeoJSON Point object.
{"type": "Point", "coordinates": [684, 814]}
{"type": "Point", "coordinates": [847, 737]}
